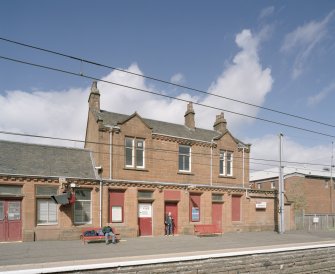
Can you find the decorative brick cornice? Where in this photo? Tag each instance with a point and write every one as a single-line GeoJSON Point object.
{"type": "Point", "coordinates": [181, 141]}
{"type": "Point", "coordinates": [230, 190]}
{"type": "Point", "coordinates": [40, 179]}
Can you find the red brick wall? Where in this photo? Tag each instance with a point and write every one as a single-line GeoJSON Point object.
{"type": "Point", "coordinates": [313, 194]}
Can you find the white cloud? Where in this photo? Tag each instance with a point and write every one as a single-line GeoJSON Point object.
{"type": "Point", "coordinates": [266, 12]}
{"type": "Point", "coordinates": [319, 97]}
{"type": "Point", "coordinates": [124, 100]}
{"type": "Point", "coordinates": [304, 39]}
{"type": "Point", "coordinates": [53, 113]}
{"type": "Point", "coordinates": [64, 113]}
{"type": "Point", "coordinates": [178, 78]}
{"type": "Point", "coordinates": [244, 80]}
{"type": "Point", "coordinates": [267, 148]}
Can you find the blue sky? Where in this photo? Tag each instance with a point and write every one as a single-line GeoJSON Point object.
{"type": "Point", "coordinates": [277, 54]}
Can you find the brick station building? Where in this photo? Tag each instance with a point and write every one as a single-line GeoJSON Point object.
{"type": "Point", "coordinates": [131, 172]}
{"type": "Point", "coordinates": [153, 167]}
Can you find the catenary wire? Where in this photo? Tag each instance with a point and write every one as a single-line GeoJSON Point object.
{"type": "Point", "coordinates": [216, 153]}
{"type": "Point", "coordinates": [162, 81]}
{"type": "Point", "coordinates": [164, 95]}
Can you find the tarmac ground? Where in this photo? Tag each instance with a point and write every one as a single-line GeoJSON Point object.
{"type": "Point", "coordinates": [21, 256]}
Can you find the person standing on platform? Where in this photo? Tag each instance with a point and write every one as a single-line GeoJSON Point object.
{"type": "Point", "coordinates": [169, 224]}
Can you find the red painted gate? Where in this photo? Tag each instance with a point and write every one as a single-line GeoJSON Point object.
{"type": "Point", "coordinates": [10, 220]}
{"type": "Point", "coordinates": [217, 214]}
{"type": "Point", "coordinates": [173, 208]}
{"type": "Point", "coordinates": [145, 219]}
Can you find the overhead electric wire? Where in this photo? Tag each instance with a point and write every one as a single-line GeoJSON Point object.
{"type": "Point", "coordinates": [164, 95]}
{"type": "Point", "coordinates": [162, 81]}
{"type": "Point", "coordinates": [158, 149]}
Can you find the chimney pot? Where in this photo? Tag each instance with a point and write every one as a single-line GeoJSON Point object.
{"type": "Point", "coordinates": [94, 98]}
{"type": "Point", "coordinates": [189, 116]}
{"type": "Point", "coordinates": [220, 123]}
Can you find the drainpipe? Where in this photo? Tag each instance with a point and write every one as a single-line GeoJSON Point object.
{"type": "Point", "coordinates": [211, 171]}
{"type": "Point", "coordinates": [99, 171]}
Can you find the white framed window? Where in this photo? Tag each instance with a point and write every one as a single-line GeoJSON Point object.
{"type": "Point", "coordinates": [222, 162]}
{"type": "Point", "coordinates": [83, 207]}
{"type": "Point", "coordinates": [229, 162]}
{"type": "Point", "coordinates": [273, 185]}
{"type": "Point", "coordinates": [226, 163]}
{"type": "Point", "coordinates": [184, 158]}
{"type": "Point", "coordinates": [47, 209]}
{"type": "Point", "coordinates": [134, 152]}
{"type": "Point", "coordinates": [46, 212]}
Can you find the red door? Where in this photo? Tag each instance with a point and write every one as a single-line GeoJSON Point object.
{"type": "Point", "coordinates": [173, 208]}
{"type": "Point", "coordinates": [145, 219]}
{"type": "Point", "coordinates": [236, 208]}
{"type": "Point", "coordinates": [217, 214]}
{"type": "Point", "coordinates": [10, 220]}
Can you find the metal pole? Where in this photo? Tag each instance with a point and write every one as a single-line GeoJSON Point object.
{"type": "Point", "coordinates": [110, 153]}
{"type": "Point", "coordinates": [243, 166]}
{"type": "Point", "coordinates": [211, 171]}
{"type": "Point", "coordinates": [100, 204]}
{"type": "Point", "coordinates": [331, 179]}
{"type": "Point", "coordinates": [281, 188]}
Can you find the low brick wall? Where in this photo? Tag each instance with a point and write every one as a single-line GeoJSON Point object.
{"type": "Point", "coordinates": [312, 260]}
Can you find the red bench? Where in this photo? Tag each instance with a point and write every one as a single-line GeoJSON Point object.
{"type": "Point", "coordinates": [207, 230]}
{"type": "Point", "coordinates": [87, 239]}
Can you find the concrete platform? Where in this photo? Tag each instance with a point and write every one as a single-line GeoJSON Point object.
{"type": "Point", "coordinates": [57, 256]}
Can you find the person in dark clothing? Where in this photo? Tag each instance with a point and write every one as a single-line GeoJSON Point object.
{"type": "Point", "coordinates": [169, 224]}
{"type": "Point", "coordinates": [107, 230]}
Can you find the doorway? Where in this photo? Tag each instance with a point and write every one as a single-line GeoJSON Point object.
{"type": "Point", "coordinates": [217, 215]}
{"type": "Point", "coordinates": [10, 220]}
{"type": "Point", "coordinates": [173, 208]}
{"type": "Point", "coordinates": [145, 219]}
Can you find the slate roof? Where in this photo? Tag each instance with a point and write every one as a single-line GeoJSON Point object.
{"type": "Point", "coordinates": [43, 160]}
{"type": "Point", "coordinates": [163, 128]}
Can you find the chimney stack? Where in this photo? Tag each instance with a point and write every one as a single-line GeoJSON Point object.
{"type": "Point", "coordinates": [189, 116]}
{"type": "Point", "coordinates": [220, 123]}
{"type": "Point", "coordinates": [94, 99]}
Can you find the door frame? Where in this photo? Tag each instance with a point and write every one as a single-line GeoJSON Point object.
{"type": "Point", "coordinates": [7, 225]}
{"type": "Point", "coordinates": [175, 217]}
{"type": "Point", "coordinates": [149, 220]}
{"type": "Point", "coordinates": [218, 205]}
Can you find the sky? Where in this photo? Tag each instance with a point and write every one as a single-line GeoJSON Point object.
{"type": "Point", "coordinates": [278, 55]}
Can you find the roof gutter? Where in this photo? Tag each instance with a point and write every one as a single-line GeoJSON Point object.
{"type": "Point", "coordinates": [46, 176]}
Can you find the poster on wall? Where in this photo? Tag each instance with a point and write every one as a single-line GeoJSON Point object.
{"type": "Point", "coordinates": [116, 214]}
{"type": "Point", "coordinates": [195, 214]}
{"type": "Point", "coordinates": [144, 210]}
